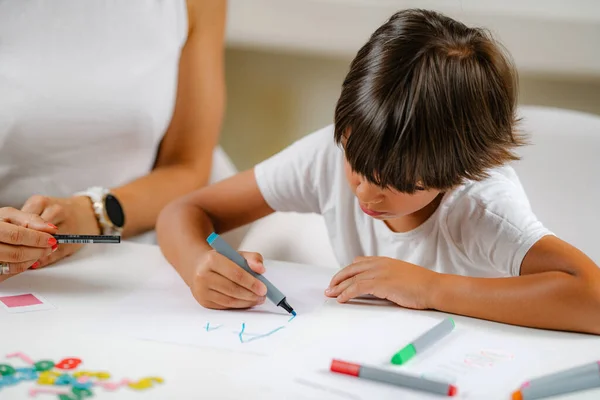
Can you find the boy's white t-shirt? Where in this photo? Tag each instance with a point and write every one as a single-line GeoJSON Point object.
{"type": "Point", "coordinates": [480, 229]}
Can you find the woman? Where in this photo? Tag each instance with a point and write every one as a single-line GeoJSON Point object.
{"type": "Point", "coordinates": [108, 111]}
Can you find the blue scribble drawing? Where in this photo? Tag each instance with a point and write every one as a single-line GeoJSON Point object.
{"type": "Point", "coordinates": [265, 334]}
{"type": "Point", "coordinates": [242, 332]}
{"type": "Point", "coordinates": [255, 336]}
{"type": "Point", "coordinates": [209, 328]}
{"type": "Point", "coordinates": [249, 336]}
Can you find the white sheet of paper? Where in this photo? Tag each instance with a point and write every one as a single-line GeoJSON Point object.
{"type": "Point", "coordinates": [164, 310]}
{"type": "Point", "coordinates": [482, 364]}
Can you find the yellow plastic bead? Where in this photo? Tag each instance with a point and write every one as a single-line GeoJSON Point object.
{"type": "Point", "coordinates": [47, 377]}
{"type": "Point", "coordinates": [145, 383]}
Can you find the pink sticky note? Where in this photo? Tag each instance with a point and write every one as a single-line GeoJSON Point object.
{"type": "Point", "coordinates": [21, 300]}
{"type": "Point", "coordinates": [24, 302]}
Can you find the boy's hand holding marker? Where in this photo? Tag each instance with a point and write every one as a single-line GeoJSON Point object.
{"type": "Point", "coordinates": [220, 284]}
{"type": "Point", "coordinates": [271, 292]}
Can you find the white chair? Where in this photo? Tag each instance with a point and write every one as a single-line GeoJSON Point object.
{"type": "Point", "coordinates": [560, 172]}
{"type": "Point", "coordinates": [293, 237]}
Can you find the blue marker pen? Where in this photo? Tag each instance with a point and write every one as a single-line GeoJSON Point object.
{"type": "Point", "coordinates": [226, 250]}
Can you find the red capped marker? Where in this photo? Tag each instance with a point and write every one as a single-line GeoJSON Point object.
{"type": "Point", "coordinates": [393, 378]}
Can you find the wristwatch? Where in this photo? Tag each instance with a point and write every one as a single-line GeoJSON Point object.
{"type": "Point", "coordinates": [107, 207]}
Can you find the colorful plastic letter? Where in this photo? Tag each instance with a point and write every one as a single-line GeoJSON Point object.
{"type": "Point", "coordinates": [68, 364]}
{"type": "Point", "coordinates": [44, 365]}
{"type": "Point", "coordinates": [47, 377]}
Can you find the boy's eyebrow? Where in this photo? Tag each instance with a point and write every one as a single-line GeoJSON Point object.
{"type": "Point", "coordinates": [419, 185]}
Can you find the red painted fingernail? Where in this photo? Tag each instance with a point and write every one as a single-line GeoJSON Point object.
{"type": "Point", "coordinates": [52, 241]}
{"type": "Point", "coordinates": [54, 248]}
{"type": "Point", "coordinates": [35, 265]}
{"type": "Point", "coordinates": [52, 226]}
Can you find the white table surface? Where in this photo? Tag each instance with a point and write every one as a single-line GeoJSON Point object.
{"type": "Point", "coordinates": [99, 276]}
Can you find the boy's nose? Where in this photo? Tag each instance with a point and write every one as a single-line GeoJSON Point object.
{"type": "Point", "coordinates": [368, 194]}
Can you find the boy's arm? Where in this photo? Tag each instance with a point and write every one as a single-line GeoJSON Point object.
{"type": "Point", "coordinates": [559, 288]}
{"type": "Point", "coordinates": [184, 225]}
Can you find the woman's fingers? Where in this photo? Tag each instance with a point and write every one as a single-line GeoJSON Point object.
{"type": "Point", "coordinates": [19, 228]}
{"type": "Point", "coordinates": [24, 239]}
{"type": "Point", "coordinates": [35, 204]}
{"type": "Point", "coordinates": [15, 254]}
{"type": "Point", "coordinates": [17, 268]}
{"type": "Point", "coordinates": [27, 220]}
{"type": "Point", "coordinates": [15, 235]}
{"type": "Point", "coordinates": [54, 214]}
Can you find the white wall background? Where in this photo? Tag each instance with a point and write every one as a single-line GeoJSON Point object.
{"type": "Point", "coordinates": [286, 59]}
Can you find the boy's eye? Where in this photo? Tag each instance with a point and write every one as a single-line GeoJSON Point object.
{"type": "Point", "coordinates": [419, 188]}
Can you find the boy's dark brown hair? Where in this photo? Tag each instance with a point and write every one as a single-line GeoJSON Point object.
{"type": "Point", "coordinates": [428, 102]}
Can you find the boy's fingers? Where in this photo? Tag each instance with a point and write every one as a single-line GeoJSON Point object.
{"type": "Point", "coordinates": [228, 301]}
{"type": "Point", "coordinates": [212, 305]}
{"type": "Point", "coordinates": [255, 261]}
{"type": "Point", "coordinates": [349, 272]}
{"type": "Point", "coordinates": [334, 291]}
{"type": "Point", "coordinates": [227, 268]}
{"type": "Point", "coordinates": [357, 288]}
{"type": "Point", "coordinates": [254, 257]}
{"type": "Point", "coordinates": [231, 289]}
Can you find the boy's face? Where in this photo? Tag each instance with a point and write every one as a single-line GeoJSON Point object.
{"type": "Point", "coordinates": [386, 204]}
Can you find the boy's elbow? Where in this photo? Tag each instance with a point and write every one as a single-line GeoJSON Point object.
{"type": "Point", "coordinates": [162, 221]}
{"type": "Point", "coordinates": [595, 317]}
{"type": "Point", "coordinates": [167, 216]}
{"type": "Point", "coordinates": [593, 299]}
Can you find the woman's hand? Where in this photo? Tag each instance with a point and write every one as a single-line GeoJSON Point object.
{"type": "Point", "coordinates": [25, 238]}
{"type": "Point", "coordinates": [405, 284]}
{"type": "Point", "coordinates": [73, 216]}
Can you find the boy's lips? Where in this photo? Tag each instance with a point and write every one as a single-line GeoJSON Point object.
{"type": "Point", "coordinates": [371, 212]}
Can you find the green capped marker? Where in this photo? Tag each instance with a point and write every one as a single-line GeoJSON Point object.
{"type": "Point", "coordinates": [423, 341]}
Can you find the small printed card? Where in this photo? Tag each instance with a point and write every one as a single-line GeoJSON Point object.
{"type": "Point", "coordinates": [24, 302]}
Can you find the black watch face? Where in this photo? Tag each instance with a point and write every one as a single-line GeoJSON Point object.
{"type": "Point", "coordinates": [114, 211]}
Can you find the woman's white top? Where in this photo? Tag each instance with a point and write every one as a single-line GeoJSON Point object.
{"type": "Point", "coordinates": [87, 91]}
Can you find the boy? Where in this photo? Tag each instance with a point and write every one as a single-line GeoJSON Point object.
{"type": "Point", "coordinates": [412, 181]}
